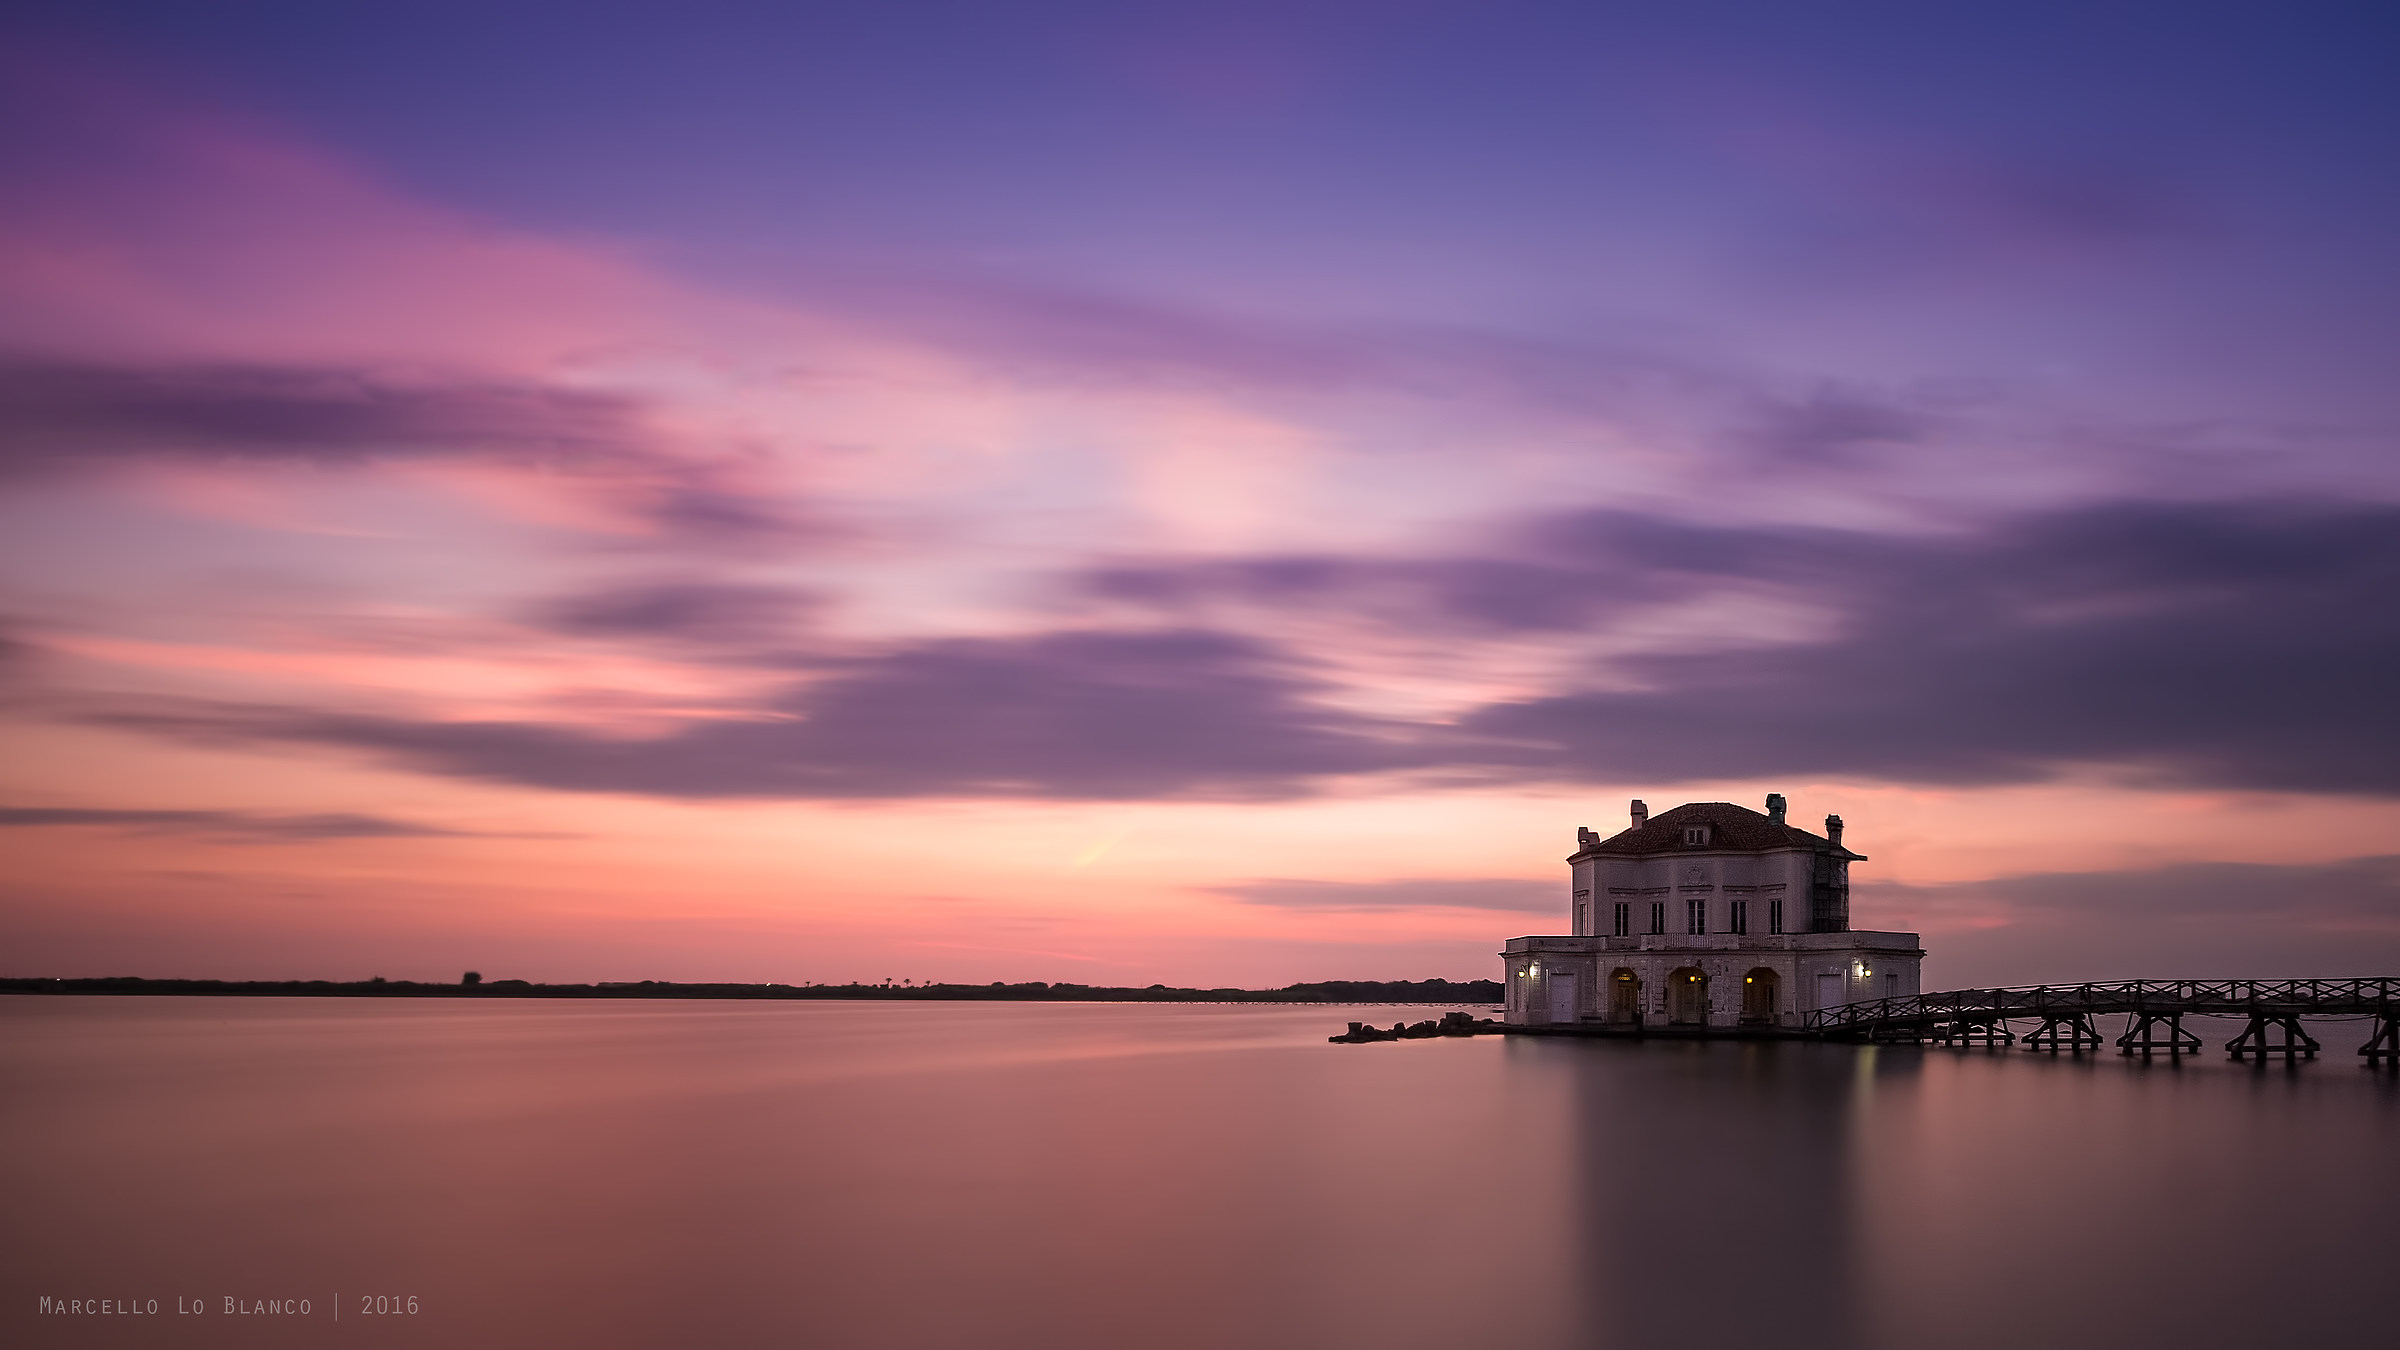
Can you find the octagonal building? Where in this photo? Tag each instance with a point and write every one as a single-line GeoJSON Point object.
{"type": "Point", "coordinates": [1707, 916]}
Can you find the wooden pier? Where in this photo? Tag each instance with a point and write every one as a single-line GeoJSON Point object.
{"type": "Point", "coordinates": [2153, 1010]}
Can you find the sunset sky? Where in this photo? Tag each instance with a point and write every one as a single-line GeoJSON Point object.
{"type": "Point", "coordinates": [1190, 493]}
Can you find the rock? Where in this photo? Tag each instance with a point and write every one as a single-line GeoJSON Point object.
{"type": "Point", "coordinates": [1457, 1023]}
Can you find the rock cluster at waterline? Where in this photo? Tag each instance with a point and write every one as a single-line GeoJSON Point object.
{"type": "Point", "coordinates": [1452, 1024]}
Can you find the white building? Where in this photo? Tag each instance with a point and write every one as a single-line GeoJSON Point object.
{"type": "Point", "coordinates": [1709, 915]}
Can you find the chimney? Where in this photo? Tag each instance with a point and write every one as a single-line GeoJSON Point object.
{"type": "Point", "coordinates": [1833, 830]}
{"type": "Point", "coordinates": [1775, 807]}
{"type": "Point", "coordinates": [1641, 813]}
{"type": "Point", "coordinates": [1584, 838]}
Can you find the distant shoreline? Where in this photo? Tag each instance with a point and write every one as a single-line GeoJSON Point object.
{"type": "Point", "coordinates": [1325, 991]}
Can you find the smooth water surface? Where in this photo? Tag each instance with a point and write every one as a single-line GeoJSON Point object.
{"type": "Point", "coordinates": [1078, 1175]}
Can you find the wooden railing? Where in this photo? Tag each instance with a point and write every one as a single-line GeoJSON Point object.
{"type": "Point", "coordinates": [2154, 1012]}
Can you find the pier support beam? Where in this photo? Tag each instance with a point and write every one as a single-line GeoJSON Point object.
{"type": "Point", "coordinates": [2383, 1048]}
{"type": "Point", "coordinates": [2141, 1035]}
{"type": "Point", "coordinates": [2069, 1031]}
{"type": "Point", "coordinates": [2260, 1038]}
{"type": "Point", "coordinates": [1989, 1032]}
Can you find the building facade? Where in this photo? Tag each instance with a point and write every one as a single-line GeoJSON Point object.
{"type": "Point", "coordinates": [1709, 915]}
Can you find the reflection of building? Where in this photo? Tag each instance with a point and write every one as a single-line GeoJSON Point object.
{"type": "Point", "coordinates": [1756, 1168]}
{"type": "Point", "coordinates": [1709, 915]}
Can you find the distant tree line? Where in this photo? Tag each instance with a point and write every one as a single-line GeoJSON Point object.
{"type": "Point", "coordinates": [1032, 991]}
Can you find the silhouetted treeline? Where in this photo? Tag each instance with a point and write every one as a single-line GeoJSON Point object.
{"type": "Point", "coordinates": [1323, 991]}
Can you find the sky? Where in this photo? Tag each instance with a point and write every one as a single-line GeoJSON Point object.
{"type": "Point", "coordinates": [1202, 494]}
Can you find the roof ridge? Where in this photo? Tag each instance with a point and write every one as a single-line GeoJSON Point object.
{"type": "Point", "coordinates": [1743, 828]}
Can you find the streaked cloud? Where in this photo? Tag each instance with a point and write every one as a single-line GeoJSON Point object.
{"type": "Point", "coordinates": [1510, 894]}
{"type": "Point", "coordinates": [2219, 645]}
{"type": "Point", "coordinates": [55, 415]}
{"type": "Point", "coordinates": [1228, 435]}
{"type": "Point", "coordinates": [710, 612]}
{"type": "Point", "coordinates": [256, 826]}
{"type": "Point", "coordinates": [2203, 645]}
{"type": "Point", "coordinates": [1072, 715]}
{"type": "Point", "coordinates": [2194, 920]}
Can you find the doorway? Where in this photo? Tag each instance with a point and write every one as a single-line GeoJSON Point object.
{"type": "Point", "coordinates": [1562, 996]}
{"type": "Point", "coordinates": [1687, 997]}
{"type": "Point", "coordinates": [1624, 997]}
{"type": "Point", "coordinates": [1829, 989]}
{"type": "Point", "coordinates": [1759, 996]}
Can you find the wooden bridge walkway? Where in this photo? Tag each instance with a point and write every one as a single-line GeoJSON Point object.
{"type": "Point", "coordinates": [2154, 1011]}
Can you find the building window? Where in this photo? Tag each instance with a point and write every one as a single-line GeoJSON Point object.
{"type": "Point", "coordinates": [1774, 916]}
{"type": "Point", "coordinates": [1695, 918]}
{"type": "Point", "coordinates": [1624, 918]}
{"type": "Point", "coordinates": [1695, 836]}
{"type": "Point", "coordinates": [1579, 909]}
{"type": "Point", "coordinates": [1658, 916]}
{"type": "Point", "coordinates": [1740, 916]}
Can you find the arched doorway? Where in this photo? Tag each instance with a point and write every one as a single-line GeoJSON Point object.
{"type": "Point", "coordinates": [1687, 997]}
{"type": "Point", "coordinates": [1760, 996]}
{"type": "Point", "coordinates": [1624, 997]}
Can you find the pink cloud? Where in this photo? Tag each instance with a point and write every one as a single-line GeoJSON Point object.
{"type": "Point", "coordinates": [183, 229]}
{"type": "Point", "coordinates": [415, 515]}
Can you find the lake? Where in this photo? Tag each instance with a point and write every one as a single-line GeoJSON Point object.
{"type": "Point", "coordinates": [825, 1174]}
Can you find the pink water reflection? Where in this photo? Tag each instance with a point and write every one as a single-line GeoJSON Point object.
{"type": "Point", "coordinates": [829, 1174]}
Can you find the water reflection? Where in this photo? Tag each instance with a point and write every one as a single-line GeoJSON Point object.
{"type": "Point", "coordinates": [1717, 1189]}
{"type": "Point", "coordinates": [1073, 1176]}
{"type": "Point", "coordinates": [2026, 1200]}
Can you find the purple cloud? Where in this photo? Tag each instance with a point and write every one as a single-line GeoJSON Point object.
{"type": "Point", "coordinates": [246, 825]}
{"type": "Point", "coordinates": [1466, 595]}
{"type": "Point", "coordinates": [2183, 921]}
{"type": "Point", "coordinates": [2241, 645]}
{"type": "Point", "coordinates": [711, 613]}
{"type": "Point", "coordinates": [57, 415]}
{"type": "Point", "coordinates": [1079, 335]}
{"type": "Point", "coordinates": [1833, 426]}
{"type": "Point", "coordinates": [1088, 715]}
{"type": "Point", "coordinates": [2228, 645]}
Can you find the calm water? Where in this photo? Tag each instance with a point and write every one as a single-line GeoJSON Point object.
{"type": "Point", "coordinates": [1065, 1176]}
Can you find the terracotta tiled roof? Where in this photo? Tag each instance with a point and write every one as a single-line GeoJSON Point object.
{"type": "Point", "coordinates": [1737, 828]}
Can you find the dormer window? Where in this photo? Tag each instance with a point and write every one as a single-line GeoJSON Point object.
{"type": "Point", "coordinates": [1695, 836]}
